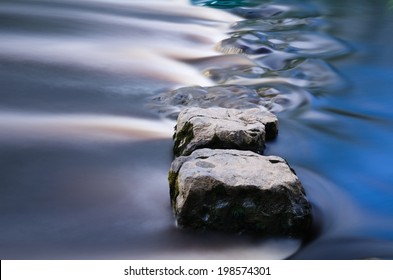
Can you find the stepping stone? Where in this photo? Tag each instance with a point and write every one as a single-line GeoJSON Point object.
{"type": "Point", "coordinates": [238, 191]}
{"type": "Point", "coordinates": [222, 128]}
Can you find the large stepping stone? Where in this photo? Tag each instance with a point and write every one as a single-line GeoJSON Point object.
{"type": "Point", "coordinates": [221, 128]}
{"type": "Point", "coordinates": [238, 191]}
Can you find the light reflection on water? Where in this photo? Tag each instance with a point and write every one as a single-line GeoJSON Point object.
{"type": "Point", "coordinates": [76, 127]}
{"type": "Point", "coordinates": [85, 152]}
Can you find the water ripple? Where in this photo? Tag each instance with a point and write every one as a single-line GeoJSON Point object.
{"type": "Point", "coordinates": [302, 43]}
{"type": "Point", "coordinates": [287, 55]}
{"type": "Point", "coordinates": [276, 97]}
{"type": "Point", "coordinates": [280, 24]}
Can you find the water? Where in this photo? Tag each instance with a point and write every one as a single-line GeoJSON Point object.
{"type": "Point", "coordinates": [89, 92]}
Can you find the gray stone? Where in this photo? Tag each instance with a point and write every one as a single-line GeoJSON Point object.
{"type": "Point", "coordinates": [238, 191]}
{"type": "Point", "coordinates": [221, 128]}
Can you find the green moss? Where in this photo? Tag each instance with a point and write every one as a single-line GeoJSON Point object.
{"type": "Point", "coordinates": [182, 139]}
{"type": "Point", "coordinates": [173, 186]}
{"type": "Point", "coordinates": [174, 134]}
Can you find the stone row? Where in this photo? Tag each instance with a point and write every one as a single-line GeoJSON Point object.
{"type": "Point", "coordinates": [219, 179]}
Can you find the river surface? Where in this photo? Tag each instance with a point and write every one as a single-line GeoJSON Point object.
{"type": "Point", "coordinates": [89, 91]}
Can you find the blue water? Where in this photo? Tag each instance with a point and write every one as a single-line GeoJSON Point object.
{"type": "Point", "coordinates": [90, 90]}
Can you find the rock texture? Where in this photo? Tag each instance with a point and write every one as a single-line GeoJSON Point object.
{"type": "Point", "coordinates": [221, 128]}
{"type": "Point", "coordinates": [238, 191]}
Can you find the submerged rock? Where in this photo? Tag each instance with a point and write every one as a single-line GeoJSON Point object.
{"type": "Point", "coordinates": [226, 96]}
{"type": "Point", "coordinates": [274, 97]}
{"type": "Point", "coordinates": [221, 128]}
{"type": "Point", "coordinates": [238, 191]}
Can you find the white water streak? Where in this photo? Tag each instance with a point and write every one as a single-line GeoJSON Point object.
{"type": "Point", "coordinates": [81, 127]}
{"type": "Point", "coordinates": [118, 42]}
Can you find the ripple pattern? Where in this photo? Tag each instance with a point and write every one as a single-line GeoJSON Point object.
{"type": "Point", "coordinates": [289, 53]}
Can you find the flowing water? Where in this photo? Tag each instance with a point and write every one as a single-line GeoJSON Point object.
{"type": "Point", "coordinates": [90, 89]}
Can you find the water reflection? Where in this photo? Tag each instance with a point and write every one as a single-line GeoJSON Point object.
{"type": "Point", "coordinates": [77, 127]}
{"type": "Point", "coordinates": [284, 68]}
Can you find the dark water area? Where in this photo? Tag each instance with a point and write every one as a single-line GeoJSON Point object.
{"type": "Point", "coordinates": [88, 95]}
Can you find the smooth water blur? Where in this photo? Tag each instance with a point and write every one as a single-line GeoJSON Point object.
{"type": "Point", "coordinates": [90, 90]}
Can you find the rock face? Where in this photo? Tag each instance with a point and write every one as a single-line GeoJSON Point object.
{"type": "Point", "coordinates": [221, 128]}
{"type": "Point", "coordinates": [238, 191]}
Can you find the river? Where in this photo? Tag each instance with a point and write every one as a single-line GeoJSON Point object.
{"type": "Point", "coordinates": [88, 95]}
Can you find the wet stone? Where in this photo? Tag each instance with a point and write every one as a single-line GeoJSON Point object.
{"type": "Point", "coordinates": [238, 191]}
{"type": "Point", "coordinates": [221, 128]}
